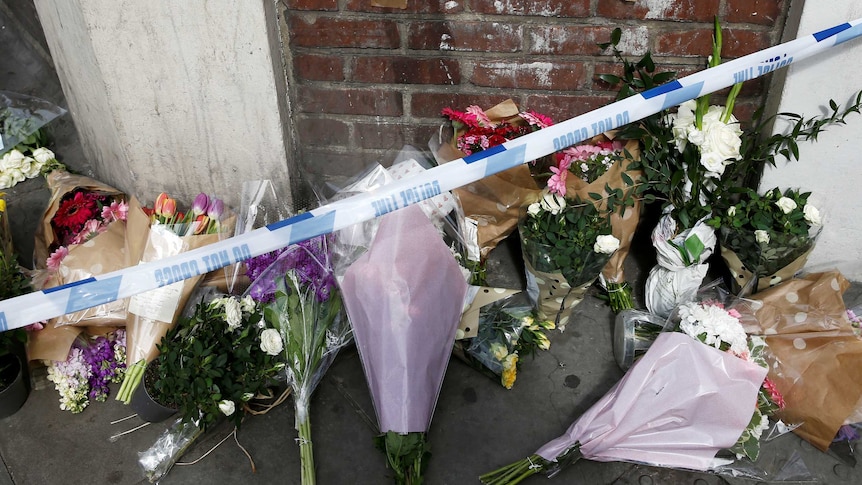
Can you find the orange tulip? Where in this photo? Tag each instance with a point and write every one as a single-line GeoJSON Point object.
{"type": "Point", "coordinates": [160, 203]}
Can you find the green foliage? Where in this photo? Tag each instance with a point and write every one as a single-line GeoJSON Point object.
{"type": "Point", "coordinates": [13, 283]}
{"type": "Point", "coordinates": [564, 241]}
{"type": "Point", "coordinates": [203, 362]}
{"type": "Point", "coordinates": [407, 455]}
{"type": "Point", "coordinates": [790, 233]}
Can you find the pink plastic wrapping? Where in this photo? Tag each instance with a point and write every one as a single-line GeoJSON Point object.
{"type": "Point", "coordinates": [404, 298]}
{"type": "Point", "coordinates": [680, 404]}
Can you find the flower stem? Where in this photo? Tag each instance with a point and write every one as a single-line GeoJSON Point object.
{"type": "Point", "coordinates": [306, 455]}
{"type": "Point", "coordinates": [516, 472]}
{"type": "Point", "coordinates": [620, 296]}
{"type": "Point", "coordinates": [133, 377]}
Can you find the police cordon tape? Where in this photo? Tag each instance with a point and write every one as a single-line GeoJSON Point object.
{"type": "Point", "coordinates": [54, 302]}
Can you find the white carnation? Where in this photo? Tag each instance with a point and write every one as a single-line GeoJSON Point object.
{"type": "Point", "coordinates": [43, 155]}
{"type": "Point", "coordinates": [12, 160]}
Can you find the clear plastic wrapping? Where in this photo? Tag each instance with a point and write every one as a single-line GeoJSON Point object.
{"type": "Point", "coordinates": [21, 117]}
{"type": "Point", "coordinates": [157, 460]}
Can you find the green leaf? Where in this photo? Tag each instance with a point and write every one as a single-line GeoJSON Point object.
{"type": "Point", "coordinates": [695, 247]}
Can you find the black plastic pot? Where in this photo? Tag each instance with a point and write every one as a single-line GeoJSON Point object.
{"type": "Point", "coordinates": [147, 408]}
{"type": "Point", "coordinates": [15, 394]}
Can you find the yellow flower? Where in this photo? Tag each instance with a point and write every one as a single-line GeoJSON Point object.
{"type": "Point", "coordinates": [510, 371]}
{"type": "Point", "coordinates": [499, 351]}
{"type": "Point", "coordinates": [542, 341]}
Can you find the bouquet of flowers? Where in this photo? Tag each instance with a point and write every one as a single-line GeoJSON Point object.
{"type": "Point", "coordinates": [508, 331]}
{"type": "Point", "coordinates": [152, 314]}
{"type": "Point", "coordinates": [302, 304]}
{"type": "Point", "coordinates": [210, 366]}
{"type": "Point", "coordinates": [767, 238]}
{"type": "Point", "coordinates": [565, 244]}
{"type": "Point", "coordinates": [603, 172]}
{"type": "Point", "coordinates": [404, 325]}
{"type": "Point", "coordinates": [93, 363]}
{"type": "Point", "coordinates": [711, 392]}
{"type": "Point", "coordinates": [492, 205]}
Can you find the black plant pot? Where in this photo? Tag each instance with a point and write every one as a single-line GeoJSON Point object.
{"type": "Point", "coordinates": [147, 408]}
{"type": "Point", "coordinates": [13, 396]}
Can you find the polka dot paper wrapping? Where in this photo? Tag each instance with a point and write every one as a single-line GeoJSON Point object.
{"type": "Point", "coordinates": [817, 362]}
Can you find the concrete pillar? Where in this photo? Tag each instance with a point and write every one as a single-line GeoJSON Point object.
{"type": "Point", "coordinates": [181, 97]}
{"type": "Point", "coordinates": [830, 168]}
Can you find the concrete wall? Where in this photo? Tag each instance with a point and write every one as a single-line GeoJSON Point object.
{"type": "Point", "coordinates": [173, 96]}
{"type": "Point", "coordinates": [830, 168]}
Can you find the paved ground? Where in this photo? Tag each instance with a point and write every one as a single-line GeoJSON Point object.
{"type": "Point", "coordinates": [477, 425]}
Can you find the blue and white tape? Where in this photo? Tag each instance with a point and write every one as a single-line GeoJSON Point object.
{"type": "Point", "coordinates": [42, 305]}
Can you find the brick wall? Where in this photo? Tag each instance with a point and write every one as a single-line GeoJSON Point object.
{"type": "Point", "coordinates": [366, 80]}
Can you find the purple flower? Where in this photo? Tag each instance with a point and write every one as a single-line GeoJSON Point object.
{"type": "Point", "coordinates": [215, 209]}
{"type": "Point", "coordinates": [200, 204]}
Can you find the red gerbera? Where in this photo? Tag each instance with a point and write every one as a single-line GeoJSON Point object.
{"type": "Point", "coordinates": [74, 212]}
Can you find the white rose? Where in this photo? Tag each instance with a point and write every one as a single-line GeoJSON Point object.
{"type": "Point", "coordinates": [812, 215]}
{"type": "Point", "coordinates": [713, 163]}
{"type": "Point", "coordinates": [731, 211]}
{"type": "Point", "coordinates": [12, 160]}
{"type": "Point", "coordinates": [553, 203]}
{"type": "Point", "coordinates": [695, 136]}
{"type": "Point", "coordinates": [43, 155]}
{"type": "Point", "coordinates": [606, 244]}
{"type": "Point", "coordinates": [682, 121]}
{"type": "Point", "coordinates": [247, 304]}
{"type": "Point", "coordinates": [6, 181]}
{"type": "Point", "coordinates": [270, 341]}
{"type": "Point", "coordinates": [227, 407]}
{"type": "Point", "coordinates": [31, 168]}
{"type": "Point", "coordinates": [724, 140]}
{"type": "Point", "coordinates": [233, 313]}
{"type": "Point", "coordinates": [761, 236]}
{"type": "Point", "coordinates": [533, 209]}
{"type": "Point", "coordinates": [786, 204]}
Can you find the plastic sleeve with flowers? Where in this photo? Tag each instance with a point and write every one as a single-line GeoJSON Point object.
{"type": "Point", "coordinates": [21, 118]}
{"type": "Point", "coordinates": [766, 239]}
{"type": "Point", "coordinates": [508, 331]}
{"type": "Point", "coordinates": [814, 353]}
{"type": "Point", "coordinates": [710, 392]}
{"type": "Point", "coordinates": [303, 305]}
{"type": "Point", "coordinates": [404, 323]}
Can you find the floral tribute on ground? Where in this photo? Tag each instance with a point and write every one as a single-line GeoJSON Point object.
{"type": "Point", "coordinates": [302, 305]}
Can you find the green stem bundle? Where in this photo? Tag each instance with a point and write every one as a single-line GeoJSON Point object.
{"type": "Point", "coordinates": [306, 453]}
{"type": "Point", "coordinates": [134, 374]}
{"type": "Point", "coordinates": [620, 296]}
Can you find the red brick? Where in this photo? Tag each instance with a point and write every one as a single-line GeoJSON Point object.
{"type": "Point", "coordinates": [542, 8]}
{"type": "Point", "coordinates": [407, 70]}
{"type": "Point", "coordinates": [379, 135]}
{"type": "Point", "coordinates": [336, 32]}
{"type": "Point", "coordinates": [372, 102]}
{"type": "Point", "coordinates": [319, 68]}
{"type": "Point", "coordinates": [680, 10]}
{"type": "Point", "coordinates": [422, 134]}
{"type": "Point", "coordinates": [465, 36]}
{"type": "Point", "coordinates": [323, 132]}
{"type": "Point", "coordinates": [413, 6]}
{"type": "Point", "coordinates": [735, 43]}
{"type": "Point", "coordinates": [763, 12]}
{"type": "Point", "coordinates": [529, 75]}
{"type": "Point", "coordinates": [429, 105]}
{"type": "Point", "coordinates": [332, 164]}
{"type": "Point", "coordinates": [563, 107]}
{"type": "Point", "coordinates": [568, 39]}
{"type": "Point", "coordinates": [312, 4]}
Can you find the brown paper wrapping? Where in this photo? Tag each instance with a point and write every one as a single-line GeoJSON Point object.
{"type": "Point", "coordinates": [556, 297]}
{"type": "Point", "coordinates": [742, 276]}
{"type": "Point", "coordinates": [142, 334]}
{"type": "Point", "coordinates": [59, 183]}
{"type": "Point", "coordinates": [818, 365]}
{"type": "Point", "coordinates": [623, 225]}
{"type": "Point", "coordinates": [495, 201]}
